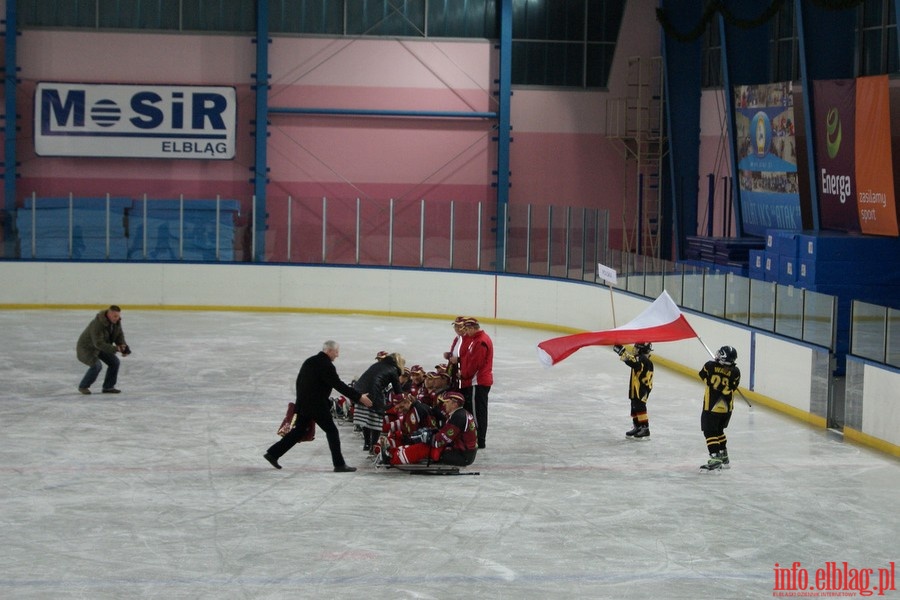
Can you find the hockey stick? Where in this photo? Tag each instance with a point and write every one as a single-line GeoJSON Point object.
{"type": "Point", "coordinates": [713, 356]}
{"type": "Point", "coordinates": [444, 473]}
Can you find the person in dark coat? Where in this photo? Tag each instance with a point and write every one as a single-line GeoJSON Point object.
{"type": "Point", "coordinates": [316, 379]}
{"type": "Point", "coordinates": [379, 380]}
{"type": "Point", "coordinates": [98, 344]}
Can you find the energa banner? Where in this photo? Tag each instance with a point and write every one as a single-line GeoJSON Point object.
{"type": "Point", "coordinates": [875, 200]}
{"type": "Point", "coordinates": [854, 173]}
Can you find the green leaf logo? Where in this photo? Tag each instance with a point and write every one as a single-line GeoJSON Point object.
{"type": "Point", "coordinates": [832, 132]}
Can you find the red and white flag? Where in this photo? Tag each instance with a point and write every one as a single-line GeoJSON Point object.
{"type": "Point", "coordinates": [660, 322]}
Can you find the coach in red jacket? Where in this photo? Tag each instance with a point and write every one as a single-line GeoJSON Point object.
{"type": "Point", "coordinates": [476, 373]}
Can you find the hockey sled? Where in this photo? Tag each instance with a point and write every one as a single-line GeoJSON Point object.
{"type": "Point", "coordinates": [431, 469]}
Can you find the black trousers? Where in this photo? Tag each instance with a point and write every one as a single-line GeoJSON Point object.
{"type": "Point", "coordinates": [477, 404]}
{"type": "Point", "coordinates": [458, 458]}
{"type": "Point", "coordinates": [325, 423]}
{"type": "Point", "coordinates": [713, 425]}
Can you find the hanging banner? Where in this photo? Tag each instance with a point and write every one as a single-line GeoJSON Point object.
{"type": "Point", "coordinates": [875, 200]}
{"type": "Point", "coordinates": [835, 118]}
{"type": "Point", "coordinates": [767, 158]}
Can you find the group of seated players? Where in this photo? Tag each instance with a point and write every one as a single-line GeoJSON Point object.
{"type": "Point", "coordinates": [425, 423]}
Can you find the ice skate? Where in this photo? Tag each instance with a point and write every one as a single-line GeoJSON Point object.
{"type": "Point", "coordinates": [713, 464]}
{"type": "Point", "coordinates": [726, 464]}
{"type": "Point", "coordinates": [642, 432]}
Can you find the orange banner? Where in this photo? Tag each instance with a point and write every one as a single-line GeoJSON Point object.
{"type": "Point", "coordinates": [874, 169]}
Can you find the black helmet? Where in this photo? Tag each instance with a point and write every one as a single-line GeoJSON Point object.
{"type": "Point", "coordinates": [643, 347]}
{"type": "Point", "coordinates": [726, 355]}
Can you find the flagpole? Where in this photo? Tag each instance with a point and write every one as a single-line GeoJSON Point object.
{"type": "Point", "coordinates": [608, 275]}
{"type": "Point", "coordinates": [713, 356]}
{"type": "Point", "coordinates": [612, 304]}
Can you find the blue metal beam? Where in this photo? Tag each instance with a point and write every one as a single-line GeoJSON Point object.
{"type": "Point", "coordinates": [362, 112]}
{"type": "Point", "coordinates": [10, 123]}
{"type": "Point", "coordinates": [741, 67]}
{"type": "Point", "coordinates": [261, 135]}
{"type": "Point", "coordinates": [682, 62]}
{"type": "Point", "coordinates": [827, 51]}
{"type": "Point", "coordinates": [504, 126]}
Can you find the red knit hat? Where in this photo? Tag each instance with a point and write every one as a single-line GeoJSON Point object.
{"type": "Point", "coordinates": [454, 396]}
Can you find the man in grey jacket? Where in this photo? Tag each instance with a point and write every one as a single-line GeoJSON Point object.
{"type": "Point", "coordinates": [98, 344]}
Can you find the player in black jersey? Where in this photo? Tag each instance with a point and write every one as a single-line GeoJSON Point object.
{"type": "Point", "coordinates": [639, 386]}
{"type": "Point", "coordinates": [722, 378]}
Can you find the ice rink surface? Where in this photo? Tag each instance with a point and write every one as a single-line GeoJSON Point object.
{"type": "Point", "coordinates": [162, 491]}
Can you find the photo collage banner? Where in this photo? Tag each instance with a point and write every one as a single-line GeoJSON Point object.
{"type": "Point", "coordinates": [767, 157]}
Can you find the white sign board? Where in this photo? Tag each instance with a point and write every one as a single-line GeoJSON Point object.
{"type": "Point", "coordinates": [605, 273]}
{"type": "Point", "coordinates": [134, 121]}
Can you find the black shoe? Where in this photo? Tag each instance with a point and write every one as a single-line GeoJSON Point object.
{"type": "Point", "coordinates": [85, 391]}
{"type": "Point", "coordinates": [633, 430]}
{"type": "Point", "coordinates": [111, 391]}
{"type": "Point", "coordinates": [272, 460]}
{"type": "Point", "coordinates": [642, 432]}
{"type": "Point", "coordinates": [481, 445]}
{"type": "Point", "coordinates": [344, 469]}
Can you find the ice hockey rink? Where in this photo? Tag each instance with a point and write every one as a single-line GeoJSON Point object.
{"type": "Point", "coordinates": [162, 491]}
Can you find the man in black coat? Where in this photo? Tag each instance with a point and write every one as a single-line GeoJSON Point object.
{"type": "Point", "coordinates": [315, 381]}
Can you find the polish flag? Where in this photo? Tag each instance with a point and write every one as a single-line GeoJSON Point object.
{"type": "Point", "coordinates": [661, 322]}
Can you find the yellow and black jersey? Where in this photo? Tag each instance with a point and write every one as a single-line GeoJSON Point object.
{"type": "Point", "coordinates": [721, 383]}
{"type": "Point", "coordinates": [641, 375]}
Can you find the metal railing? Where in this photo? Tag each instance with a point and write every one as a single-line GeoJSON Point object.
{"type": "Point", "coordinates": [547, 241]}
{"type": "Point", "coordinates": [765, 305]}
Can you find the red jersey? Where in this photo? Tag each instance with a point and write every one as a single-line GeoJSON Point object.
{"type": "Point", "coordinates": [458, 432]}
{"type": "Point", "coordinates": [476, 360]}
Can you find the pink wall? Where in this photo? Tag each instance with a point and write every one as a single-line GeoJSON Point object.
{"type": "Point", "coordinates": [559, 155]}
{"type": "Point", "coordinates": [133, 58]}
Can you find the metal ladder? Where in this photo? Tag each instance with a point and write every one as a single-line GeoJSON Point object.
{"type": "Point", "coordinates": [636, 123]}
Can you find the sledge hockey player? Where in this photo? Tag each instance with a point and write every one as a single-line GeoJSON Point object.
{"type": "Point", "coordinates": [436, 383]}
{"type": "Point", "coordinates": [407, 417]}
{"type": "Point", "coordinates": [455, 443]}
{"type": "Point", "coordinates": [416, 380]}
{"type": "Point", "coordinates": [405, 383]}
{"type": "Point", "coordinates": [639, 386]}
{"type": "Point", "coordinates": [722, 378]}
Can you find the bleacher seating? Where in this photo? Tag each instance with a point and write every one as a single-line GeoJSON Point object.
{"type": "Point", "coordinates": [60, 228]}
